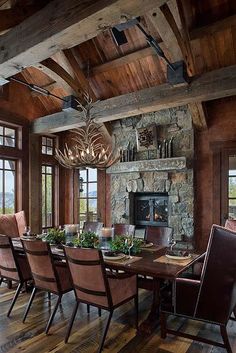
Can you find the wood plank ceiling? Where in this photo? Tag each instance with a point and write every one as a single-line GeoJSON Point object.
{"type": "Point", "coordinates": [112, 70]}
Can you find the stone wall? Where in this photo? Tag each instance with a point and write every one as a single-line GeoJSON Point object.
{"type": "Point", "coordinates": [174, 122]}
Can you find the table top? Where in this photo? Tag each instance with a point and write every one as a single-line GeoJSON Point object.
{"type": "Point", "coordinates": [143, 266]}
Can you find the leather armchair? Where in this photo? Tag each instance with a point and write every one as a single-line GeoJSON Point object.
{"type": "Point", "coordinates": [199, 299]}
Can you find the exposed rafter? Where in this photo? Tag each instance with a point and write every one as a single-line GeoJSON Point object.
{"type": "Point", "coordinates": [212, 85]}
{"type": "Point", "coordinates": [65, 24]}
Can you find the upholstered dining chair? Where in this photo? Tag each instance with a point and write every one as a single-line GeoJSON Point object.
{"type": "Point", "coordinates": [123, 229]}
{"type": "Point", "coordinates": [13, 266]}
{"type": "Point", "coordinates": [92, 227]}
{"type": "Point", "coordinates": [210, 299]}
{"type": "Point", "coordinates": [95, 286]}
{"type": "Point", "coordinates": [158, 235]}
{"type": "Point", "coordinates": [230, 224]}
{"type": "Point", "coordinates": [13, 225]}
{"type": "Point", "coordinates": [49, 275]}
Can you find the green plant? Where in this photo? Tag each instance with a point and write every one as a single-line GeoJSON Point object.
{"type": "Point", "coordinates": [55, 236]}
{"type": "Point", "coordinates": [118, 244]}
{"type": "Point", "coordinates": [87, 240]}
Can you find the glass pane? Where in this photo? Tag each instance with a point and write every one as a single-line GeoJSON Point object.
{"type": "Point", "coordinates": [49, 200]}
{"type": "Point", "coordinates": [232, 209]}
{"type": "Point", "coordinates": [1, 130]}
{"type": "Point", "coordinates": [49, 170]}
{"type": "Point", "coordinates": [92, 174]}
{"type": "Point", "coordinates": [1, 163]}
{"type": "Point", "coordinates": [43, 200]}
{"type": "Point", "coordinates": [83, 218]}
{"type": "Point", "coordinates": [8, 141]}
{"type": "Point", "coordinates": [10, 133]}
{"type": "Point", "coordinates": [10, 165]}
{"type": "Point", "coordinates": [232, 186]}
{"type": "Point", "coordinates": [49, 141]}
{"type": "Point", "coordinates": [82, 206]}
{"type": "Point", "coordinates": [43, 169]}
{"type": "Point", "coordinates": [49, 151]}
{"type": "Point", "coordinates": [1, 140]}
{"type": "Point", "coordinates": [44, 141]}
{"type": "Point", "coordinates": [9, 192]}
{"type": "Point", "coordinates": [92, 205]}
{"type": "Point", "coordinates": [44, 150]}
{"type": "Point", "coordinates": [83, 174]}
{"type": "Point", "coordinates": [83, 190]}
{"type": "Point", "coordinates": [92, 190]}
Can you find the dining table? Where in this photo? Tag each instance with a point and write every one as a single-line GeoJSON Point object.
{"type": "Point", "coordinates": [151, 263]}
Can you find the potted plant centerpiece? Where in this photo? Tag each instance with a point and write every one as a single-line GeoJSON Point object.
{"type": "Point", "coordinates": [119, 244]}
{"type": "Point", "coordinates": [55, 236]}
{"type": "Point", "coordinates": [87, 240]}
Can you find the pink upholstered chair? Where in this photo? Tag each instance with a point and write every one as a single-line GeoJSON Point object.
{"type": "Point", "coordinates": [230, 224]}
{"type": "Point", "coordinates": [95, 286]}
{"type": "Point", "coordinates": [13, 266]}
{"type": "Point", "coordinates": [49, 275]}
{"type": "Point", "coordinates": [123, 229]}
{"type": "Point", "coordinates": [13, 225]}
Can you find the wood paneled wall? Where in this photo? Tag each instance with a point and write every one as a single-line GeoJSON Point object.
{"type": "Point", "coordinates": [222, 127]}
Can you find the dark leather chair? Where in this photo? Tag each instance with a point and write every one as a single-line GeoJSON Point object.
{"type": "Point", "coordinates": [13, 266]}
{"type": "Point", "coordinates": [49, 275]}
{"type": "Point", "coordinates": [93, 227]}
{"type": "Point", "coordinates": [158, 235]}
{"type": "Point", "coordinates": [95, 286]}
{"type": "Point", "coordinates": [123, 229]}
{"type": "Point", "coordinates": [212, 298]}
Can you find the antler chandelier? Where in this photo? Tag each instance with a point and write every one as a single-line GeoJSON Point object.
{"type": "Point", "coordinates": [88, 149]}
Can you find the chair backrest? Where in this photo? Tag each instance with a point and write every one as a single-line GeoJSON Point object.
{"type": "Point", "coordinates": [158, 235]}
{"type": "Point", "coordinates": [12, 225]}
{"type": "Point", "coordinates": [217, 295]}
{"type": "Point", "coordinates": [124, 229]}
{"type": "Point", "coordinates": [88, 276]}
{"type": "Point", "coordinates": [230, 224]}
{"type": "Point", "coordinates": [42, 265]}
{"type": "Point", "coordinates": [93, 227]}
{"type": "Point", "coordinates": [8, 262]}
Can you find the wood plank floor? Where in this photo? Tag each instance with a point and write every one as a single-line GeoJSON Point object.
{"type": "Point", "coordinates": [16, 337]}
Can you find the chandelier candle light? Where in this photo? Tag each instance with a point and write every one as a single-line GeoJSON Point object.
{"type": "Point", "coordinates": [88, 149]}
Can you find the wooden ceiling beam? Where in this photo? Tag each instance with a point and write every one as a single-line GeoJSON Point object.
{"type": "Point", "coordinates": [65, 24]}
{"type": "Point", "coordinates": [209, 86]}
{"type": "Point", "coordinates": [213, 28]}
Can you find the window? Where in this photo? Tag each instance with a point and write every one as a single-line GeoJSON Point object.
{"type": "Point", "coordinates": [232, 187]}
{"type": "Point", "coordinates": [7, 136]}
{"type": "Point", "coordinates": [47, 196]}
{"type": "Point", "coordinates": [7, 185]}
{"type": "Point", "coordinates": [47, 145]}
{"type": "Point", "coordinates": [87, 195]}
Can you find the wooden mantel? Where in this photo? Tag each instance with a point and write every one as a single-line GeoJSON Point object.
{"type": "Point", "coordinates": [150, 165]}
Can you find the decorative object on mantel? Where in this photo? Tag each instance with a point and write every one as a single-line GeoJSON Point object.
{"type": "Point", "coordinates": [165, 148]}
{"type": "Point", "coordinates": [146, 138]}
{"type": "Point", "coordinates": [128, 155]}
{"type": "Point", "coordinates": [88, 149]}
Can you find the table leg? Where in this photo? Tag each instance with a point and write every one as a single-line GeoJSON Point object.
{"type": "Point", "coordinates": [151, 322]}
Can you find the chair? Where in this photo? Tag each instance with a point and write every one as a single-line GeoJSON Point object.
{"type": "Point", "coordinates": [13, 225]}
{"type": "Point", "coordinates": [230, 224]}
{"type": "Point", "coordinates": [210, 299]}
{"type": "Point", "coordinates": [14, 267]}
{"type": "Point", "coordinates": [124, 229]}
{"type": "Point", "coordinates": [158, 235]}
{"type": "Point", "coordinates": [95, 286]}
{"type": "Point", "coordinates": [49, 275]}
{"type": "Point", "coordinates": [92, 227]}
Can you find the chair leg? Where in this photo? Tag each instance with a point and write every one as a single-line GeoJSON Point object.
{"type": "Point", "coordinates": [71, 321]}
{"type": "Point", "coordinates": [88, 308]}
{"type": "Point", "coordinates": [136, 311]}
{"type": "Point", "coordinates": [163, 324]}
{"type": "Point", "coordinates": [224, 335]}
{"type": "Point", "coordinates": [52, 315]}
{"type": "Point", "coordinates": [17, 292]}
{"type": "Point", "coordinates": [29, 304]}
{"type": "Point", "coordinates": [105, 332]}
{"type": "Point", "coordinates": [99, 312]}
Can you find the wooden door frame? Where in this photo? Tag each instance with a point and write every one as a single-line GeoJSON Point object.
{"type": "Point", "coordinates": [219, 189]}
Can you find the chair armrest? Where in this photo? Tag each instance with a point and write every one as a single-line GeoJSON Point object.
{"type": "Point", "coordinates": [186, 294]}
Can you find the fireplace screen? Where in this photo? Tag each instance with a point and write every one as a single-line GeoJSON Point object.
{"type": "Point", "coordinates": [151, 209]}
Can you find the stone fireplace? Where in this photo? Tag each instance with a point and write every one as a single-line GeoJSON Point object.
{"type": "Point", "coordinates": [170, 177]}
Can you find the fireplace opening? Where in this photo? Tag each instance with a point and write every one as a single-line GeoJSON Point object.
{"type": "Point", "coordinates": [149, 209]}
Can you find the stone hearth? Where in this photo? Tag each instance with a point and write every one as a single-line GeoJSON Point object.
{"type": "Point", "coordinates": [140, 176]}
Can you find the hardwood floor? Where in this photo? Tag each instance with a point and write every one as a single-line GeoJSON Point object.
{"type": "Point", "coordinates": [16, 337]}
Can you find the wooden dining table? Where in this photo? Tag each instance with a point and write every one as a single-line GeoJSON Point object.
{"type": "Point", "coordinates": [145, 264]}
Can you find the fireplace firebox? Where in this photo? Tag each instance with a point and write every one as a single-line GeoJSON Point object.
{"type": "Point", "coordinates": [150, 209]}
